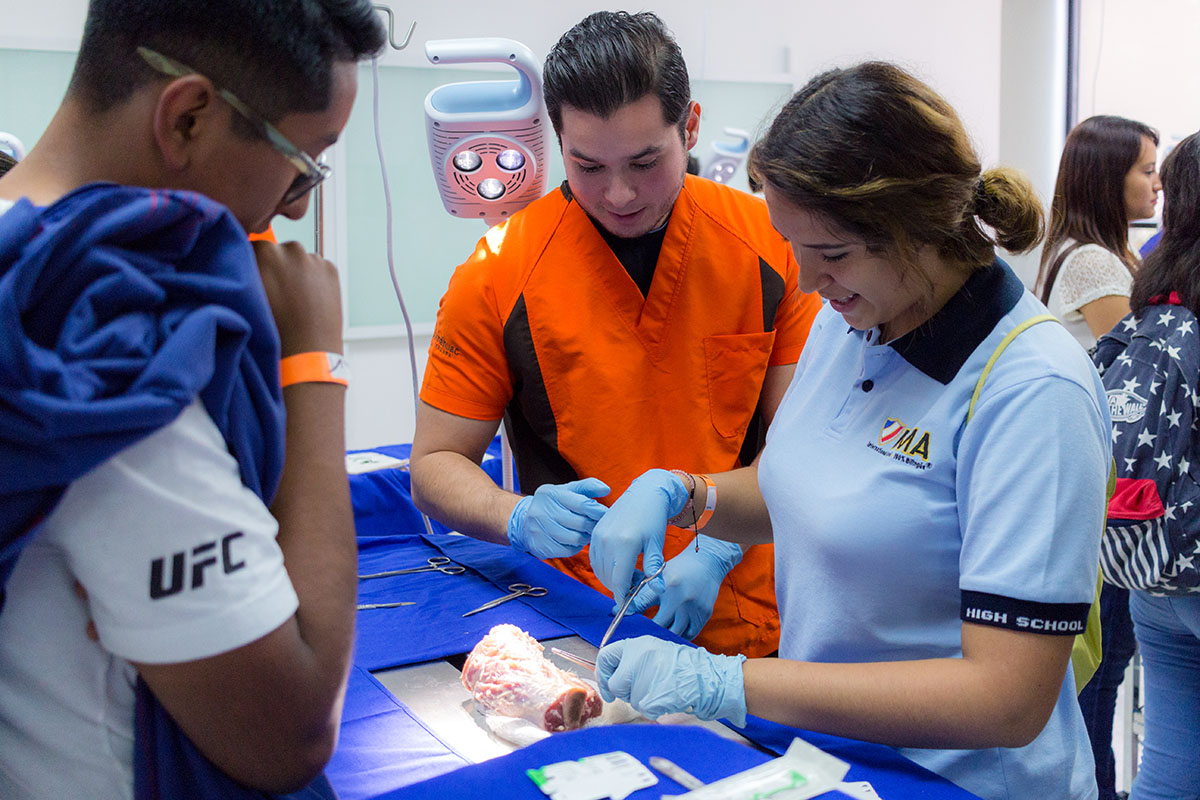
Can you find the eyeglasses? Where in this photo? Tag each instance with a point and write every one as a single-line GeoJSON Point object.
{"type": "Point", "coordinates": [311, 172]}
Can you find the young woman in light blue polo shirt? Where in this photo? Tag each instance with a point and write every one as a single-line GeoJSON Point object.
{"type": "Point", "coordinates": [932, 571]}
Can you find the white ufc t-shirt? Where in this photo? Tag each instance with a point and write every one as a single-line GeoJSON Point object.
{"type": "Point", "coordinates": [179, 562]}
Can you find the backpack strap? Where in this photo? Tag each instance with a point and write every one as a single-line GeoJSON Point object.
{"type": "Point", "coordinates": [1000, 348]}
{"type": "Point", "coordinates": [1086, 650]}
{"type": "Point", "coordinates": [1055, 266]}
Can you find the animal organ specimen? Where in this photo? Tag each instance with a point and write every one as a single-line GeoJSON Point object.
{"type": "Point", "coordinates": [507, 675]}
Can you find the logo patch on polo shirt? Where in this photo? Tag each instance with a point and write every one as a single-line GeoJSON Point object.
{"type": "Point", "coordinates": [908, 445]}
{"type": "Point", "coordinates": [891, 429]}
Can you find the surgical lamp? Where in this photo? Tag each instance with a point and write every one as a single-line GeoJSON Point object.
{"type": "Point", "coordinates": [13, 145]}
{"type": "Point", "coordinates": [487, 143]}
{"type": "Point", "coordinates": [487, 139]}
{"type": "Point", "coordinates": [724, 158]}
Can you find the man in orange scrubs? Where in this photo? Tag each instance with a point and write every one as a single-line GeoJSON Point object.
{"type": "Point", "coordinates": [635, 317]}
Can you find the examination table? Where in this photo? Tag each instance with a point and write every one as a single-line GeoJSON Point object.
{"type": "Point", "coordinates": [409, 729]}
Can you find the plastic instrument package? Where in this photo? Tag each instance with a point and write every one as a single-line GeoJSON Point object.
{"type": "Point", "coordinates": [613, 775]}
{"type": "Point", "coordinates": [803, 771]}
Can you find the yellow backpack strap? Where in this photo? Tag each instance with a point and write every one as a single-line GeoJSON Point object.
{"type": "Point", "coordinates": [1000, 348]}
{"type": "Point", "coordinates": [1086, 649]}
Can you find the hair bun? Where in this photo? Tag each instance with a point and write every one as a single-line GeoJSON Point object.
{"type": "Point", "coordinates": [982, 199]}
{"type": "Point", "coordinates": [1005, 200]}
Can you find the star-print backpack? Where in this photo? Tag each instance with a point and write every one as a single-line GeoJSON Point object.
{"type": "Point", "coordinates": [1150, 364]}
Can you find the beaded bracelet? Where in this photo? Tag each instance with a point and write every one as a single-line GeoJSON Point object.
{"type": "Point", "coordinates": [710, 502]}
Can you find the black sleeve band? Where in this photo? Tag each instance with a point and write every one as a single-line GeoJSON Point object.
{"type": "Point", "coordinates": [1054, 619]}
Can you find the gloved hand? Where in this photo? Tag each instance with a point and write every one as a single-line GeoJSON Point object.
{"type": "Point", "coordinates": [687, 589]}
{"type": "Point", "coordinates": [658, 677]}
{"type": "Point", "coordinates": [636, 524]}
{"type": "Point", "coordinates": [556, 521]}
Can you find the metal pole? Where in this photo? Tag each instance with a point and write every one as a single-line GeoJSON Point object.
{"type": "Point", "coordinates": [1073, 11]}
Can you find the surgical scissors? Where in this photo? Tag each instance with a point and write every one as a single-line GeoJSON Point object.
{"type": "Point", "coordinates": [515, 590]}
{"type": "Point", "coordinates": [612, 626]}
{"type": "Point", "coordinates": [436, 564]}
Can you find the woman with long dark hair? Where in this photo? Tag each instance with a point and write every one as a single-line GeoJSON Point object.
{"type": "Point", "coordinates": [1151, 366]}
{"type": "Point", "coordinates": [1106, 179]}
{"type": "Point", "coordinates": [933, 564]}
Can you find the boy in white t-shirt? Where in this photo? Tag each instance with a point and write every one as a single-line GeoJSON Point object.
{"type": "Point", "coordinates": [172, 560]}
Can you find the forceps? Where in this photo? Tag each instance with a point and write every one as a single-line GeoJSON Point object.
{"type": "Point", "coordinates": [625, 605]}
{"type": "Point", "coordinates": [436, 564]}
{"type": "Point", "coordinates": [574, 659]}
{"type": "Point", "coordinates": [515, 590]}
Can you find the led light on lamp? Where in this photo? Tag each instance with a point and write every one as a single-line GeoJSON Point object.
{"type": "Point", "coordinates": [490, 189]}
{"type": "Point", "coordinates": [485, 137]}
{"type": "Point", "coordinates": [467, 161]}
{"type": "Point", "coordinates": [511, 160]}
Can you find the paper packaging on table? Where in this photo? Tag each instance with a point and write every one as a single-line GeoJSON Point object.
{"type": "Point", "coordinates": [613, 775]}
{"type": "Point", "coordinates": [803, 771]}
{"type": "Point", "coordinates": [358, 463]}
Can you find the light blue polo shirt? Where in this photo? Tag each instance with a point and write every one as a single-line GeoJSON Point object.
{"type": "Point", "coordinates": [894, 519]}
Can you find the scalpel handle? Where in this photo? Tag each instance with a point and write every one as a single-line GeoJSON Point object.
{"type": "Point", "coordinates": [676, 773]}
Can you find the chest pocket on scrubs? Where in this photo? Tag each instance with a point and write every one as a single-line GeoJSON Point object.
{"type": "Point", "coordinates": [735, 367]}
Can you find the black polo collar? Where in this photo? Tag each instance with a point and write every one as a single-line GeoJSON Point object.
{"type": "Point", "coordinates": [943, 344]}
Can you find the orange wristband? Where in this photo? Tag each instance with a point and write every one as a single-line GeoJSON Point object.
{"type": "Point", "coordinates": [314, 367]}
{"type": "Point", "coordinates": [710, 501]}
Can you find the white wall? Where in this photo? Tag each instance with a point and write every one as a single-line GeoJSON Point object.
{"type": "Point", "coordinates": [954, 45]}
{"type": "Point", "coordinates": [44, 25]}
{"type": "Point", "coordinates": [1140, 60]}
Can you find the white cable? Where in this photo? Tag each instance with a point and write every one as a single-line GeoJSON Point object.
{"type": "Point", "coordinates": [387, 201]}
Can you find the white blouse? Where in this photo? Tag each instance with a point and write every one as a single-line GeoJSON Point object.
{"type": "Point", "coordinates": [1088, 273]}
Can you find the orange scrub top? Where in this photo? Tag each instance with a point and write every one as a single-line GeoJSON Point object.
{"type": "Point", "coordinates": [543, 326]}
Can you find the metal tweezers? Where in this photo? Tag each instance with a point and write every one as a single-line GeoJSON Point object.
{"type": "Point", "coordinates": [574, 659]}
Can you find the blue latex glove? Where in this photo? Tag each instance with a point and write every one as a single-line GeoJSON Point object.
{"type": "Point", "coordinates": [658, 677]}
{"type": "Point", "coordinates": [686, 591]}
{"type": "Point", "coordinates": [556, 521]}
{"type": "Point", "coordinates": [636, 524]}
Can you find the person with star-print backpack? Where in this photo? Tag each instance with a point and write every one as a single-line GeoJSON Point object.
{"type": "Point", "coordinates": [1150, 363]}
